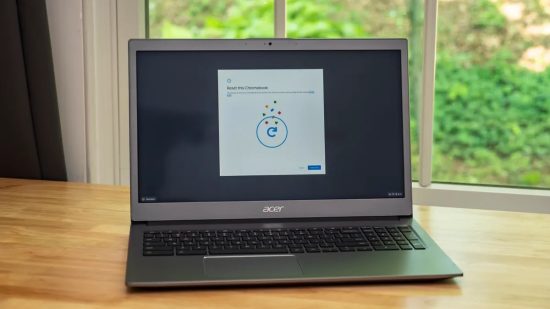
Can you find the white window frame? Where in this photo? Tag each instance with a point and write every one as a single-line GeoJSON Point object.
{"type": "Point", "coordinates": [109, 24]}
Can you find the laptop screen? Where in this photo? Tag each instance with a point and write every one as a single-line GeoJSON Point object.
{"type": "Point", "coordinates": [269, 125]}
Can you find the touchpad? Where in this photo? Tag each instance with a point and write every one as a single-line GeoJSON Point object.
{"type": "Point", "coordinates": [251, 267]}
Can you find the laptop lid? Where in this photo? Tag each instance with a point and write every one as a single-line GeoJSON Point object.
{"type": "Point", "coordinates": [235, 129]}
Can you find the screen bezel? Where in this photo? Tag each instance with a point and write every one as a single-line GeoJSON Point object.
{"type": "Point", "coordinates": [152, 211]}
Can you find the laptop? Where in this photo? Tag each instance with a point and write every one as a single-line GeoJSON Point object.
{"type": "Point", "coordinates": [271, 162]}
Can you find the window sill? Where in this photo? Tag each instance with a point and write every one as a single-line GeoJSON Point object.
{"type": "Point", "coordinates": [483, 197]}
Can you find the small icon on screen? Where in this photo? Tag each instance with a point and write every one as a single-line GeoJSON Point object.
{"type": "Point", "coordinates": [271, 131]}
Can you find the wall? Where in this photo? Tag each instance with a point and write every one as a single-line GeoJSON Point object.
{"type": "Point", "coordinates": [66, 32]}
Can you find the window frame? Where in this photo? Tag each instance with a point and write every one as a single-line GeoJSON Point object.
{"type": "Point", "coordinates": [127, 19]}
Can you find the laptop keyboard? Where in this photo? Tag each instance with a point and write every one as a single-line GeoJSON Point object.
{"type": "Point", "coordinates": [280, 240]}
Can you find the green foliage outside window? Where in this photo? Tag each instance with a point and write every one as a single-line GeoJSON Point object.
{"type": "Point", "coordinates": [492, 122]}
{"type": "Point", "coordinates": [210, 19]}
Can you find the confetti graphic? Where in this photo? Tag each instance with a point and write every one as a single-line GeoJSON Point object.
{"type": "Point", "coordinates": [271, 131]}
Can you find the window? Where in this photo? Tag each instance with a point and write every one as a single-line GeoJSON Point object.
{"type": "Point", "coordinates": [492, 93]}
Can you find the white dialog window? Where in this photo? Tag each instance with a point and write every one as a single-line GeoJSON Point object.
{"type": "Point", "coordinates": [271, 122]}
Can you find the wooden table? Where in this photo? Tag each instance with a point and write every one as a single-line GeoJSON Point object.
{"type": "Point", "coordinates": [63, 245]}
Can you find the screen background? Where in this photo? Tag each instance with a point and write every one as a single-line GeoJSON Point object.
{"type": "Point", "coordinates": [178, 147]}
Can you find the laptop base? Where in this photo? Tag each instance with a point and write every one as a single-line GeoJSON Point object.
{"type": "Point", "coordinates": [199, 270]}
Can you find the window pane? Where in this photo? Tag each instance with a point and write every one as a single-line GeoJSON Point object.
{"type": "Point", "coordinates": [492, 113]}
{"type": "Point", "coordinates": [367, 19]}
{"type": "Point", "coordinates": [210, 19]}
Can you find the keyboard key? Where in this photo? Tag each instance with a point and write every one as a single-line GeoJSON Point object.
{"type": "Point", "coordinates": [190, 252]}
{"type": "Point", "coordinates": [158, 252]}
{"type": "Point", "coordinates": [352, 244]}
{"type": "Point", "coordinates": [405, 247]}
{"type": "Point", "coordinates": [350, 231]}
{"type": "Point", "coordinates": [386, 247]}
{"type": "Point", "coordinates": [417, 245]}
{"type": "Point", "coordinates": [157, 248]}
{"type": "Point", "coordinates": [153, 243]}
{"type": "Point", "coordinates": [410, 235]}
{"type": "Point", "coordinates": [296, 250]}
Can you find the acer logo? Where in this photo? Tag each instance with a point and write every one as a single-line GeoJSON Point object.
{"type": "Point", "coordinates": [273, 208]}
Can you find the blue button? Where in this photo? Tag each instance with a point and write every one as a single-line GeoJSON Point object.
{"type": "Point", "coordinates": [314, 167]}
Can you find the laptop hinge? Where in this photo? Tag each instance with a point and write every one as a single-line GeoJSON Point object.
{"type": "Point", "coordinates": [289, 220]}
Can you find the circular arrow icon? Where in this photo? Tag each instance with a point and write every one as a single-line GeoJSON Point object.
{"type": "Point", "coordinates": [272, 132]}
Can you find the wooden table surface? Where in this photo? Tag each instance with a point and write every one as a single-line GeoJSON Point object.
{"type": "Point", "coordinates": [63, 245]}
